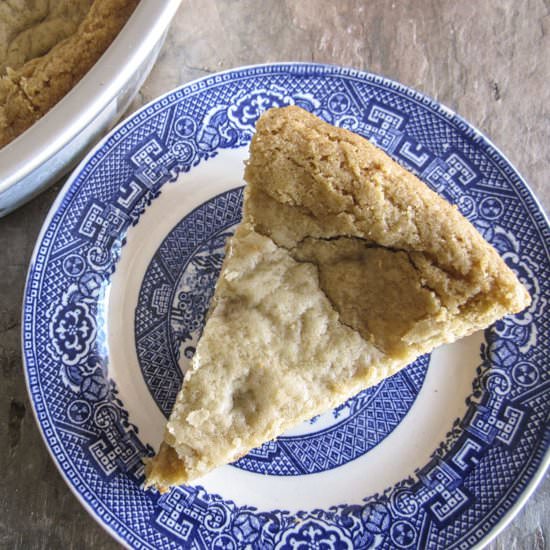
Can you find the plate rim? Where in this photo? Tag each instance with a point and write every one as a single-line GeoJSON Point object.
{"type": "Point", "coordinates": [334, 69]}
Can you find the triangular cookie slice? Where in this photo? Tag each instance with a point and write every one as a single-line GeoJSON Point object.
{"type": "Point", "coordinates": [345, 268]}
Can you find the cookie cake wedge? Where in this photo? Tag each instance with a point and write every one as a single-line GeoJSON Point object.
{"type": "Point", "coordinates": [344, 269]}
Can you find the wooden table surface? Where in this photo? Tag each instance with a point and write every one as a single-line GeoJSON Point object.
{"type": "Point", "coordinates": [488, 60]}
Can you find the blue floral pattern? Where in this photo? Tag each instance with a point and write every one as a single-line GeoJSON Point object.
{"type": "Point", "coordinates": [314, 534]}
{"type": "Point", "coordinates": [247, 107]}
{"type": "Point", "coordinates": [488, 457]}
{"type": "Point", "coordinates": [72, 332]}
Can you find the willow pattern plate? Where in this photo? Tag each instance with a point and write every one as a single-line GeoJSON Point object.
{"type": "Point", "coordinates": [439, 456]}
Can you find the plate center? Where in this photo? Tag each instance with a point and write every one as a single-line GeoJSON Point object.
{"type": "Point", "coordinates": [172, 306]}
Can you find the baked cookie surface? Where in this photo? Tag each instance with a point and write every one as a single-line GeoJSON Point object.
{"type": "Point", "coordinates": [45, 49]}
{"type": "Point", "coordinates": [345, 268]}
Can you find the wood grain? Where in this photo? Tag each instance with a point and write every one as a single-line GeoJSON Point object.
{"type": "Point", "coordinates": [489, 61]}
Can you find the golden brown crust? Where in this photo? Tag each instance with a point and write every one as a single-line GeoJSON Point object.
{"type": "Point", "coordinates": [31, 28]}
{"type": "Point", "coordinates": [165, 470]}
{"type": "Point", "coordinates": [329, 182]}
{"type": "Point", "coordinates": [28, 93]}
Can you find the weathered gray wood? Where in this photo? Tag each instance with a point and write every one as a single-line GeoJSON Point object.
{"type": "Point", "coordinates": [489, 61]}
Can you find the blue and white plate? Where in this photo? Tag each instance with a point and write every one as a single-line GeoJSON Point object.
{"type": "Point", "coordinates": [438, 456]}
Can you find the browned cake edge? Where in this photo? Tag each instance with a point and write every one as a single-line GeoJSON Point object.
{"type": "Point", "coordinates": [29, 92]}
